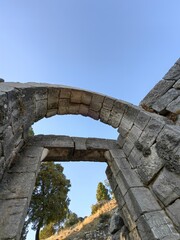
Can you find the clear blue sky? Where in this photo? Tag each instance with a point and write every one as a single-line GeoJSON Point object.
{"type": "Point", "coordinates": [121, 48]}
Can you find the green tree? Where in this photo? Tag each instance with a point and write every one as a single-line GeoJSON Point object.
{"type": "Point", "coordinates": [47, 231]}
{"type": "Point", "coordinates": [102, 193]}
{"type": "Point", "coordinates": [71, 219]}
{"type": "Point", "coordinates": [49, 203]}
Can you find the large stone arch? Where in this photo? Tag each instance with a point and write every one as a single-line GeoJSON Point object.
{"type": "Point", "coordinates": [143, 163]}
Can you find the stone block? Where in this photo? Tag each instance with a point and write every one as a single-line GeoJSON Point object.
{"type": "Point", "coordinates": [159, 90]}
{"type": "Point", "coordinates": [149, 166]}
{"type": "Point", "coordinates": [108, 103]}
{"type": "Point", "coordinates": [3, 108]}
{"type": "Point", "coordinates": [174, 106]}
{"type": "Point", "coordinates": [63, 106]}
{"type": "Point", "coordinates": [40, 93]}
{"type": "Point", "coordinates": [96, 102]}
{"type": "Point", "coordinates": [167, 187]}
{"type": "Point", "coordinates": [173, 73]}
{"type": "Point", "coordinates": [129, 116]}
{"type": "Point", "coordinates": [83, 110]}
{"type": "Point", "coordinates": [119, 197]}
{"type": "Point", "coordinates": [93, 114]}
{"type": "Point", "coordinates": [115, 118]}
{"type": "Point", "coordinates": [168, 142]}
{"type": "Point", "coordinates": [134, 235]}
{"type": "Point", "coordinates": [79, 143]}
{"type": "Point", "coordinates": [142, 120]}
{"type": "Point", "coordinates": [28, 161]}
{"type": "Point", "coordinates": [128, 218]}
{"type": "Point", "coordinates": [134, 133]}
{"type": "Point", "coordinates": [174, 213]}
{"type": "Point", "coordinates": [53, 98]}
{"type": "Point", "coordinates": [73, 108]}
{"type": "Point", "coordinates": [15, 211]}
{"type": "Point", "coordinates": [135, 157]}
{"type": "Point", "coordinates": [116, 223]}
{"type": "Point", "coordinates": [41, 109]}
{"type": "Point", "coordinates": [128, 146]}
{"type": "Point", "coordinates": [161, 104]}
{"type": "Point", "coordinates": [125, 176]}
{"type": "Point", "coordinates": [104, 115]}
{"type": "Point", "coordinates": [17, 185]}
{"type": "Point", "coordinates": [140, 200]}
{"type": "Point", "coordinates": [150, 133]}
{"type": "Point", "coordinates": [177, 84]}
{"type": "Point", "coordinates": [156, 225]}
{"type": "Point", "coordinates": [65, 93]}
{"type": "Point", "coordinates": [51, 112]}
{"type": "Point", "coordinates": [76, 96]}
{"type": "Point", "coordinates": [86, 98]}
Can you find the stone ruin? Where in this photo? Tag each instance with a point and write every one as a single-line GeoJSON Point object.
{"type": "Point", "coordinates": [143, 164]}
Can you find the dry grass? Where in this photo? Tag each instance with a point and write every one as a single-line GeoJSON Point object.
{"type": "Point", "coordinates": [89, 223]}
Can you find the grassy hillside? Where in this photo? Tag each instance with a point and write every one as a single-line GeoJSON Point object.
{"type": "Point", "coordinates": [96, 221]}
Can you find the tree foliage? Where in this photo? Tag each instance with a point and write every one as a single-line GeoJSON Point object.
{"type": "Point", "coordinates": [71, 219]}
{"type": "Point", "coordinates": [102, 193]}
{"type": "Point", "coordinates": [49, 203]}
{"type": "Point", "coordinates": [47, 231]}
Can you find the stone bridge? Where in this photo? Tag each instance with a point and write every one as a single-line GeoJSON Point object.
{"type": "Point", "coordinates": [143, 164]}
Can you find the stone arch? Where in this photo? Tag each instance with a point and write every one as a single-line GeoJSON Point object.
{"type": "Point", "coordinates": [143, 163]}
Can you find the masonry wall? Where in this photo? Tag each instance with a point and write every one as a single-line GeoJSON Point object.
{"type": "Point", "coordinates": [144, 170]}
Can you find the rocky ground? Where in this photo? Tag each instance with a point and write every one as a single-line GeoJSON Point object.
{"type": "Point", "coordinates": [100, 226]}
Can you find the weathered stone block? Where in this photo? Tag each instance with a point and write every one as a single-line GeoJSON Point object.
{"type": "Point", "coordinates": [149, 166]}
{"type": "Point", "coordinates": [40, 94]}
{"type": "Point", "coordinates": [86, 98]}
{"type": "Point", "coordinates": [65, 93]}
{"type": "Point", "coordinates": [17, 185]}
{"type": "Point", "coordinates": [115, 118]}
{"type": "Point", "coordinates": [53, 98]}
{"type": "Point", "coordinates": [104, 115]}
{"type": "Point", "coordinates": [150, 132]}
{"type": "Point", "coordinates": [142, 120]}
{"type": "Point", "coordinates": [177, 84]}
{"type": "Point", "coordinates": [135, 157]}
{"type": "Point", "coordinates": [161, 104]}
{"type": "Point", "coordinates": [96, 102]}
{"type": "Point", "coordinates": [174, 213]}
{"type": "Point", "coordinates": [76, 96]}
{"type": "Point", "coordinates": [125, 177]}
{"type": "Point", "coordinates": [173, 73]}
{"type": "Point", "coordinates": [167, 187]}
{"type": "Point", "coordinates": [174, 106]}
{"type": "Point", "coordinates": [116, 222]}
{"type": "Point", "coordinates": [156, 225]}
{"type": "Point", "coordinates": [28, 162]}
{"type": "Point", "coordinates": [160, 89]}
{"type": "Point", "coordinates": [93, 114]}
{"type": "Point", "coordinates": [73, 108]}
{"type": "Point", "coordinates": [167, 143]}
{"type": "Point", "coordinates": [128, 218]}
{"type": "Point", "coordinates": [79, 143]}
{"type": "Point", "coordinates": [83, 110]}
{"type": "Point", "coordinates": [51, 113]}
{"type": "Point", "coordinates": [139, 200]}
{"type": "Point", "coordinates": [41, 109]}
{"type": "Point", "coordinates": [134, 235]}
{"type": "Point", "coordinates": [108, 103]}
{"type": "Point", "coordinates": [128, 146]}
{"type": "Point", "coordinates": [63, 106]}
{"type": "Point", "coordinates": [15, 211]}
{"type": "Point", "coordinates": [134, 133]}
